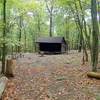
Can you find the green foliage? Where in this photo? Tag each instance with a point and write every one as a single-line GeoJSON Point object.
{"type": "Point", "coordinates": [35, 20]}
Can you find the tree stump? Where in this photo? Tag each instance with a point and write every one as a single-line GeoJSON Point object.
{"type": "Point", "coordinates": [42, 54]}
{"type": "Point", "coordinates": [3, 82]}
{"type": "Point", "coordinates": [9, 68]}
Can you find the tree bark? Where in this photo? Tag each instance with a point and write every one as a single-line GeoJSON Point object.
{"type": "Point", "coordinates": [4, 36]}
{"type": "Point", "coordinates": [20, 33]}
{"type": "Point", "coordinates": [3, 83]}
{"type": "Point", "coordinates": [39, 25]}
{"type": "Point", "coordinates": [50, 10]}
{"type": "Point", "coordinates": [95, 34]}
{"type": "Point", "coordinates": [99, 10]}
{"type": "Point", "coordinates": [25, 39]}
{"type": "Point", "coordinates": [50, 32]}
{"type": "Point", "coordinates": [80, 24]}
{"type": "Point", "coordinates": [0, 54]}
{"type": "Point", "coordinates": [84, 30]}
{"type": "Point", "coordinates": [9, 68]}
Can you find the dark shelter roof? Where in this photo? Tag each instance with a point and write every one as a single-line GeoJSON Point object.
{"type": "Point", "coordinates": [50, 40]}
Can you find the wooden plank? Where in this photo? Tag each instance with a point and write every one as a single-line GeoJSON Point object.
{"type": "Point", "coordinates": [3, 82]}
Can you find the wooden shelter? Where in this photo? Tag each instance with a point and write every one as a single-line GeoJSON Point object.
{"type": "Point", "coordinates": [52, 44]}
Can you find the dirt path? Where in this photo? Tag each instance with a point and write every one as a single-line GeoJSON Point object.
{"type": "Point", "coordinates": [51, 77]}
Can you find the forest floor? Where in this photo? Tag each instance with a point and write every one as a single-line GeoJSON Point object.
{"type": "Point", "coordinates": [52, 77]}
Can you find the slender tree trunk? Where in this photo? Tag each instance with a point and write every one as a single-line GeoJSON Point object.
{"type": "Point", "coordinates": [99, 10]}
{"type": "Point", "coordinates": [80, 43]}
{"type": "Point", "coordinates": [0, 54]}
{"type": "Point", "coordinates": [95, 34]}
{"type": "Point", "coordinates": [12, 51]}
{"type": "Point", "coordinates": [50, 32]}
{"type": "Point", "coordinates": [84, 30]}
{"type": "Point", "coordinates": [25, 40]}
{"type": "Point", "coordinates": [89, 37]}
{"type": "Point", "coordinates": [67, 33]}
{"type": "Point", "coordinates": [77, 22]}
{"type": "Point", "coordinates": [85, 51]}
{"type": "Point", "coordinates": [80, 23]}
{"type": "Point", "coordinates": [50, 10]}
{"type": "Point", "coordinates": [20, 33]}
{"type": "Point", "coordinates": [38, 26]}
{"type": "Point", "coordinates": [4, 36]}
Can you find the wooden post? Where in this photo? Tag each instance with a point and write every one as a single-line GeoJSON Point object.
{"type": "Point", "coordinates": [9, 68]}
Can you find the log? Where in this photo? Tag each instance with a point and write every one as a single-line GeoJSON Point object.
{"type": "Point", "coordinates": [9, 68]}
{"type": "Point", "coordinates": [93, 75]}
{"type": "Point", "coordinates": [3, 82]}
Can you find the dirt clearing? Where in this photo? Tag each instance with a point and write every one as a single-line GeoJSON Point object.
{"type": "Point", "coordinates": [52, 77]}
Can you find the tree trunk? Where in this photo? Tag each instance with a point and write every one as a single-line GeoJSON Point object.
{"type": "Point", "coordinates": [67, 33]}
{"type": "Point", "coordinates": [4, 36]}
{"type": "Point", "coordinates": [3, 83]}
{"type": "Point", "coordinates": [99, 10]}
{"type": "Point", "coordinates": [0, 54]}
{"type": "Point", "coordinates": [12, 52]}
{"type": "Point", "coordinates": [95, 34]}
{"type": "Point", "coordinates": [9, 68]}
{"type": "Point", "coordinates": [80, 24]}
{"type": "Point", "coordinates": [50, 24]}
{"type": "Point", "coordinates": [25, 44]}
{"type": "Point", "coordinates": [84, 31]}
{"type": "Point", "coordinates": [80, 43]}
{"type": "Point", "coordinates": [20, 33]}
{"type": "Point", "coordinates": [77, 22]}
{"type": "Point", "coordinates": [39, 26]}
{"type": "Point", "coordinates": [50, 10]}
